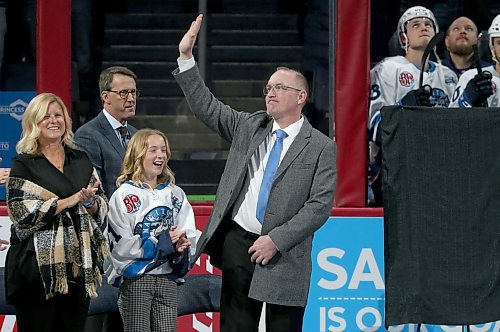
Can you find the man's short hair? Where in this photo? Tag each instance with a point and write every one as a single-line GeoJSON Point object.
{"type": "Point", "coordinates": [302, 81]}
{"type": "Point", "coordinates": [106, 77]}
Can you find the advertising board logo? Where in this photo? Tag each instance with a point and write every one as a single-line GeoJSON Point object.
{"type": "Point", "coordinates": [4, 146]}
{"type": "Point", "coordinates": [347, 283]}
{"type": "Point", "coordinates": [14, 109]}
{"type": "Point", "coordinates": [355, 288]}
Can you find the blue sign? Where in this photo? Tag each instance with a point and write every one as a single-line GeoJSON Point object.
{"type": "Point", "coordinates": [347, 281]}
{"type": "Point", "coordinates": [12, 107]}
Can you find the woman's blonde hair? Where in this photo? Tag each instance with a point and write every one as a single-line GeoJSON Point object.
{"type": "Point", "coordinates": [136, 150]}
{"type": "Point", "coordinates": [36, 110]}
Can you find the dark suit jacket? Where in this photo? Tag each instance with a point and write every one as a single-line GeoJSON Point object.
{"type": "Point", "coordinates": [299, 203]}
{"type": "Point", "coordinates": [98, 139]}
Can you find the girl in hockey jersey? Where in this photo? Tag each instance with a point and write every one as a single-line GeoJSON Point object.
{"type": "Point", "coordinates": [151, 233]}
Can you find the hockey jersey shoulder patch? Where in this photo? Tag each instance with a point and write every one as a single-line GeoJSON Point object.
{"type": "Point", "coordinates": [406, 79]}
{"type": "Point", "coordinates": [132, 203]}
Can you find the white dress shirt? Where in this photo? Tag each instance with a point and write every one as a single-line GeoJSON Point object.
{"type": "Point", "coordinates": [245, 207]}
{"type": "Point", "coordinates": [114, 123]}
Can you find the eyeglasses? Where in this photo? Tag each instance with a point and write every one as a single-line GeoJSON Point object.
{"type": "Point", "coordinates": [277, 88]}
{"type": "Point", "coordinates": [124, 93]}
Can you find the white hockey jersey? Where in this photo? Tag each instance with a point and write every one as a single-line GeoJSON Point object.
{"type": "Point", "coordinates": [493, 100]}
{"type": "Point", "coordinates": [390, 80]}
{"type": "Point", "coordinates": [393, 77]}
{"type": "Point", "coordinates": [136, 216]}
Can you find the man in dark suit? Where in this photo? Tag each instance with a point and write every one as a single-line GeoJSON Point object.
{"type": "Point", "coordinates": [105, 137]}
{"type": "Point", "coordinates": [261, 227]}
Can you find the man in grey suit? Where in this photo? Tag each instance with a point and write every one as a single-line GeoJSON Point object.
{"type": "Point", "coordinates": [261, 227]}
{"type": "Point", "coordinates": [105, 137]}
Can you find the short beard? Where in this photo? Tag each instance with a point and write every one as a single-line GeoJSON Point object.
{"type": "Point", "coordinates": [461, 50]}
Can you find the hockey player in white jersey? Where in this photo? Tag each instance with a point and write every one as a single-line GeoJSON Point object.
{"type": "Point", "coordinates": [395, 80]}
{"type": "Point", "coordinates": [474, 88]}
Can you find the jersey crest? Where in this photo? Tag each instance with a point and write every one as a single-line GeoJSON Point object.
{"type": "Point", "coordinates": [450, 80]}
{"type": "Point", "coordinates": [439, 98]}
{"type": "Point", "coordinates": [159, 216]}
{"type": "Point", "coordinates": [132, 203]}
{"type": "Point", "coordinates": [406, 79]}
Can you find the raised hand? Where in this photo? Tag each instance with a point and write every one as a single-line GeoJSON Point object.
{"type": "Point", "coordinates": [186, 44]}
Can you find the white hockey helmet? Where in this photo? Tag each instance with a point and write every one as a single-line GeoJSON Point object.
{"type": "Point", "coordinates": [409, 14]}
{"type": "Point", "coordinates": [494, 32]}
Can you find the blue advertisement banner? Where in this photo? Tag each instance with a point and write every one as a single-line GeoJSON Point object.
{"type": "Point", "coordinates": [12, 107]}
{"type": "Point", "coordinates": [347, 281]}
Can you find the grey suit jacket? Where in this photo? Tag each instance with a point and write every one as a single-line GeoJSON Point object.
{"type": "Point", "coordinates": [300, 200]}
{"type": "Point", "coordinates": [98, 139]}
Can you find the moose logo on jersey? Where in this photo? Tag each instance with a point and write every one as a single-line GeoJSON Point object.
{"type": "Point", "coordinates": [439, 98]}
{"type": "Point", "coordinates": [132, 203]}
{"type": "Point", "coordinates": [406, 79]}
{"type": "Point", "coordinates": [161, 216]}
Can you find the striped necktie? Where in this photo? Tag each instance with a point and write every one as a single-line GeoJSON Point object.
{"type": "Point", "coordinates": [124, 135]}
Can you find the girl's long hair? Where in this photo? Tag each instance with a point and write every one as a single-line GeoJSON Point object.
{"type": "Point", "coordinates": [136, 150]}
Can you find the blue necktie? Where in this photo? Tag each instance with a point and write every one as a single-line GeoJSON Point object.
{"type": "Point", "coordinates": [267, 180]}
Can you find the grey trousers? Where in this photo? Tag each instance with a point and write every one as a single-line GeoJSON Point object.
{"type": "Point", "coordinates": [148, 303]}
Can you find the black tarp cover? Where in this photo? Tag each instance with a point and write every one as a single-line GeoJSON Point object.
{"type": "Point", "coordinates": [441, 179]}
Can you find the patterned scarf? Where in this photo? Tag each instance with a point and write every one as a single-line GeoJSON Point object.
{"type": "Point", "coordinates": [69, 245]}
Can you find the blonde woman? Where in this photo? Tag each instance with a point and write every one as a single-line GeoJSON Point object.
{"type": "Point", "coordinates": [57, 247]}
{"type": "Point", "coordinates": [151, 228]}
